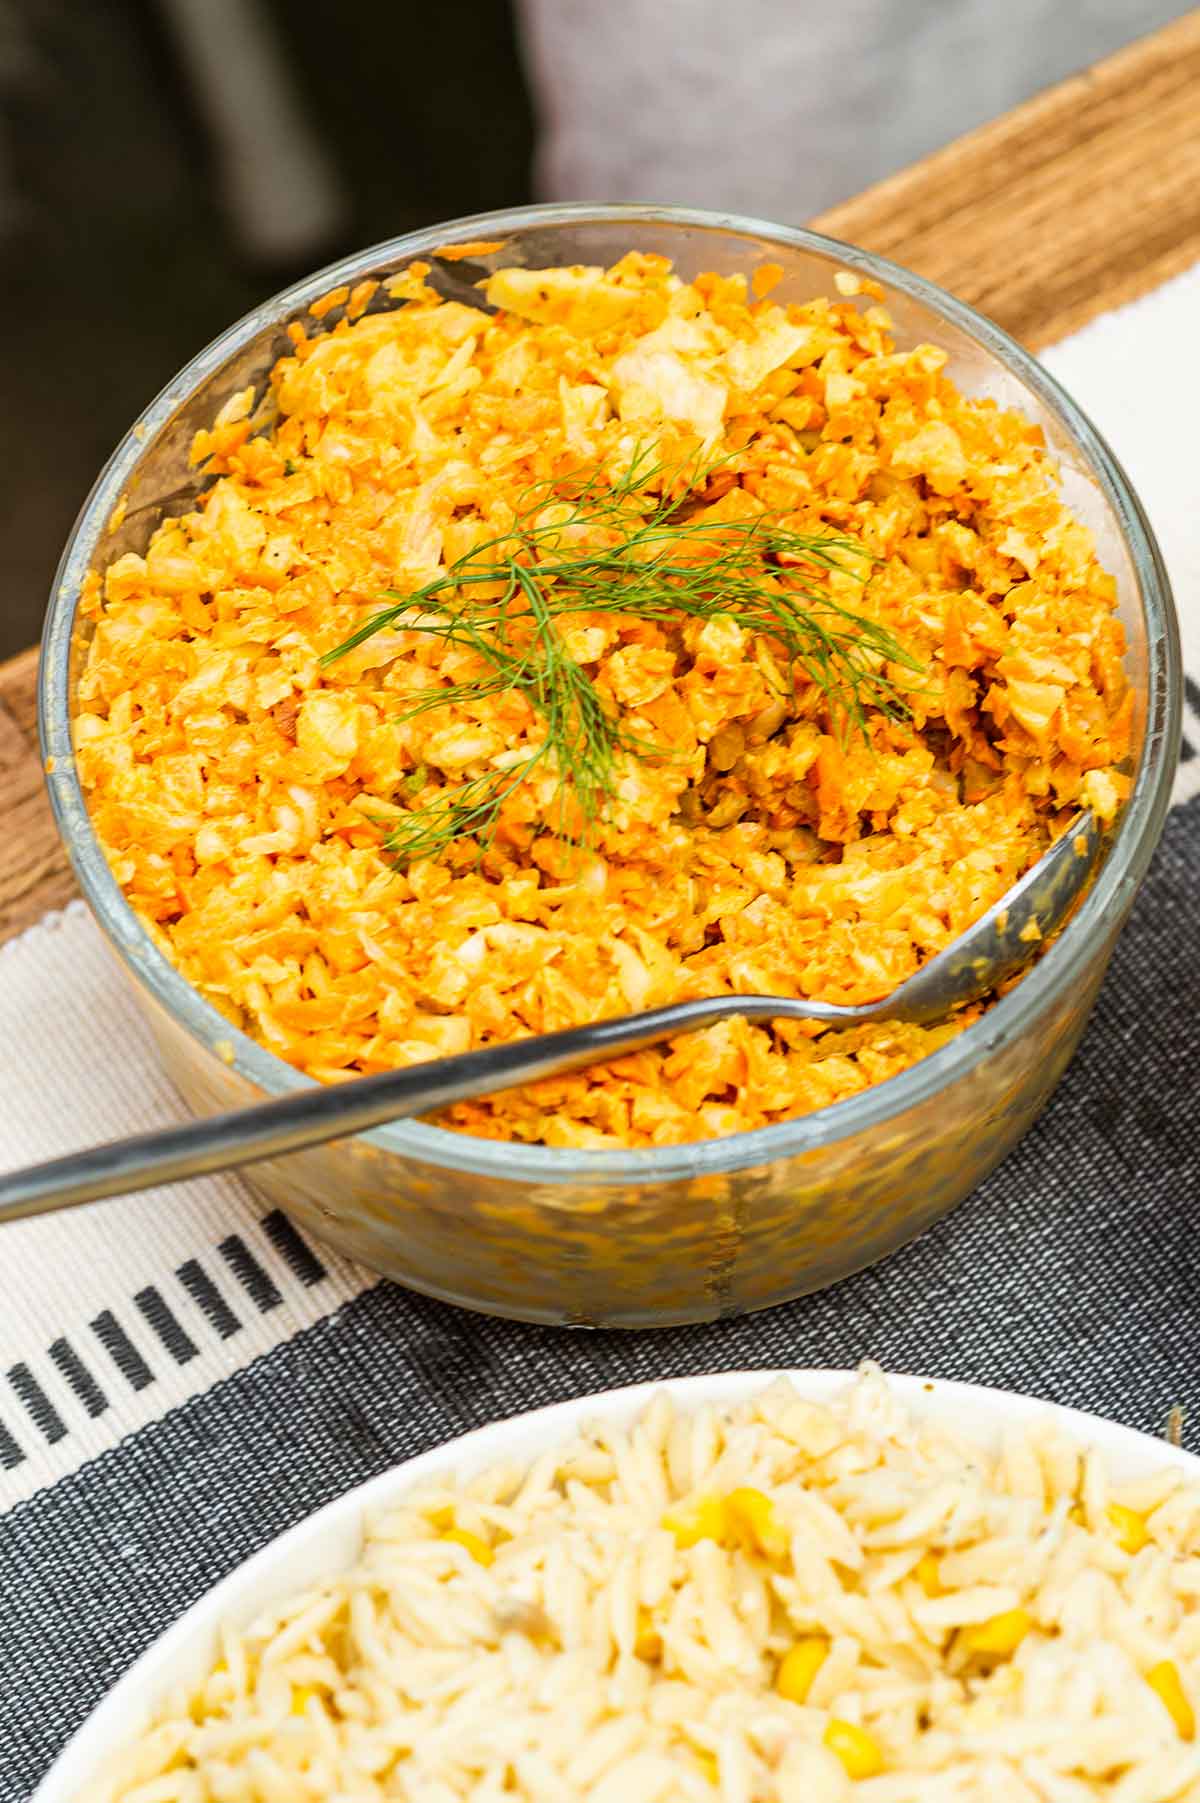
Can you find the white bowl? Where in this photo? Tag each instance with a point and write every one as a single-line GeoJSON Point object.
{"type": "Point", "coordinates": [330, 1540]}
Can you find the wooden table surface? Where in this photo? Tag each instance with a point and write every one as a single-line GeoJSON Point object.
{"type": "Point", "coordinates": [1083, 198]}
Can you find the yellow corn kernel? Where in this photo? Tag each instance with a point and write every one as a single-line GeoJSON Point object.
{"type": "Point", "coordinates": [479, 1549]}
{"type": "Point", "coordinates": [648, 1641]}
{"type": "Point", "coordinates": [302, 1695]}
{"type": "Point", "coordinates": [1075, 1513]}
{"type": "Point", "coordinates": [799, 1666]}
{"type": "Point", "coordinates": [1132, 1532]}
{"type": "Point", "coordinates": [999, 1635]}
{"type": "Point", "coordinates": [858, 1751]}
{"type": "Point", "coordinates": [753, 1523]}
{"type": "Point", "coordinates": [927, 1575]}
{"type": "Point", "coordinates": [709, 1766]}
{"type": "Point", "coordinates": [704, 1519]}
{"type": "Point", "coordinates": [1164, 1681]}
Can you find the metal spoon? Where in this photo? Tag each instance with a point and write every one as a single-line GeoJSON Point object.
{"type": "Point", "coordinates": [999, 944]}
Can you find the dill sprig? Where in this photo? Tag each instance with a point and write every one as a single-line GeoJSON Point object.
{"type": "Point", "coordinates": [626, 545]}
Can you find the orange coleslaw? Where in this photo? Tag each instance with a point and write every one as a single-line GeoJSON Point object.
{"type": "Point", "coordinates": [243, 791]}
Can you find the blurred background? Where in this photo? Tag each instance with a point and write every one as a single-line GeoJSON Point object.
{"type": "Point", "coordinates": [165, 164]}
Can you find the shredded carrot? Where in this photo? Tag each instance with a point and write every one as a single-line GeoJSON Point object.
{"type": "Point", "coordinates": [475, 247]}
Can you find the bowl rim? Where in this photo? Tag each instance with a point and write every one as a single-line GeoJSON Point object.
{"type": "Point", "coordinates": [1120, 873]}
{"type": "Point", "coordinates": [976, 1410]}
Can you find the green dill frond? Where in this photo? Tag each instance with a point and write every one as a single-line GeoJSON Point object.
{"type": "Point", "coordinates": [645, 556]}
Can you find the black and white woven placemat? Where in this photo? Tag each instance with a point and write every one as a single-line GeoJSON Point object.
{"type": "Point", "coordinates": [180, 1383]}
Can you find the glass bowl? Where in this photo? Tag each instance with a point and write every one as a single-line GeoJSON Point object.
{"type": "Point", "coordinates": [683, 1233]}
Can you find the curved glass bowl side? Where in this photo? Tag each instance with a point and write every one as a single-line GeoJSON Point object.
{"type": "Point", "coordinates": [806, 1165]}
{"type": "Point", "coordinates": [651, 1253]}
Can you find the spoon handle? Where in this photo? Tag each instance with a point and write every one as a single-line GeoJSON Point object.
{"type": "Point", "coordinates": [321, 1112]}
{"type": "Point", "coordinates": [316, 1113]}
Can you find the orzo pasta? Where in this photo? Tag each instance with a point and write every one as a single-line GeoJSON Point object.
{"type": "Point", "coordinates": [779, 1602]}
